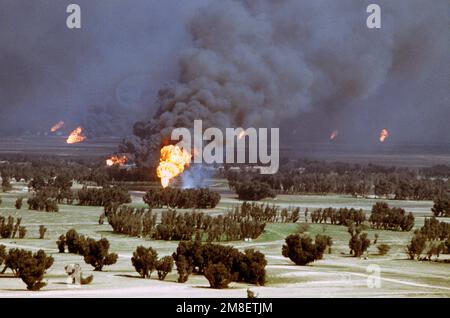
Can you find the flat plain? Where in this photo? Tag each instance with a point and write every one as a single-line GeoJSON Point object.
{"type": "Point", "coordinates": [338, 274]}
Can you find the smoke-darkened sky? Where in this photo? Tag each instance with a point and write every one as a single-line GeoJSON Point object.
{"type": "Point", "coordinates": [309, 67]}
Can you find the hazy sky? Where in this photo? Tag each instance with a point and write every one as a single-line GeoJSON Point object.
{"type": "Point", "coordinates": [107, 75]}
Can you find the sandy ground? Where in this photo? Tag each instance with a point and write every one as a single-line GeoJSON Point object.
{"type": "Point", "coordinates": [337, 275]}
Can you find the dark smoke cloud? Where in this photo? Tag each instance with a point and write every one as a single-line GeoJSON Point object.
{"type": "Point", "coordinates": [307, 66]}
{"type": "Point", "coordinates": [104, 75]}
{"type": "Point", "coordinates": [257, 63]}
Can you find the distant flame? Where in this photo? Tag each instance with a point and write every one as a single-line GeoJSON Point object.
{"type": "Point", "coordinates": [116, 160]}
{"type": "Point", "coordinates": [383, 135]}
{"type": "Point", "coordinates": [334, 134]}
{"type": "Point", "coordinates": [172, 163]}
{"type": "Point", "coordinates": [76, 136]}
{"type": "Point", "coordinates": [57, 126]}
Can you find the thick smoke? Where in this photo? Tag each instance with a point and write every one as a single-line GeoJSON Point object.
{"type": "Point", "coordinates": [102, 76]}
{"type": "Point", "coordinates": [256, 63]}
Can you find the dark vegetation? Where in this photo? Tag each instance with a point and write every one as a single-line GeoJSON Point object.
{"type": "Point", "coordinates": [342, 216]}
{"type": "Point", "coordinates": [245, 221]}
{"type": "Point", "coordinates": [145, 261]}
{"type": "Point", "coordinates": [317, 177]}
{"type": "Point", "coordinates": [193, 257]}
{"type": "Point", "coordinates": [10, 227]}
{"type": "Point", "coordinates": [182, 198]}
{"type": "Point", "coordinates": [387, 218]}
{"type": "Point", "coordinates": [28, 266]}
{"type": "Point", "coordinates": [301, 249]}
{"type": "Point", "coordinates": [359, 241]}
{"type": "Point", "coordinates": [441, 206]}
{"type": "Point", "coordinates": [95, 252]}
{"type": "Point", "coordinates": [433, 238]}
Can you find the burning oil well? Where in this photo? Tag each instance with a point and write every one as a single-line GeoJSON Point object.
{"type": "Point", "coordinates": [254, 64]}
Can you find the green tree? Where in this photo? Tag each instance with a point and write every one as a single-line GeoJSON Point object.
{"type": "Point", "coordinates": [164, 266]}
{"type": "Point", "coordinates": [301, 250]}
{"type": "Point", "coordinates": [218, 276]}
{"type": "Point", "coordinates": [97, 254]}
{"type": "Point", "coordinates": [144, 261]}
{"type": "Point", "coordinates": [32, 268]}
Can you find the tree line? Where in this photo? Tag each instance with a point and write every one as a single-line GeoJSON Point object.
{"type": "Point", "coordinates": [315, 177]}
{"type": "Point", "coordinates": [341, 216]}
{"type": "Point", "coordinates": [390, 218]}
{"type": "Point", "coordinates": [247, 220]}
{"type": "Point", "coordinates": [433, 238]}
{"type": "Point", "coordinates": [10, 227]}
{"type": "Point", "coordinates": [182, 198]}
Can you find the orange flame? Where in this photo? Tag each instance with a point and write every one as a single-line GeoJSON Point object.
{"type": "Point", "coordinates": [57, 126]}
{"type": "Point", "coordinates": [115, 160]}
{"type": "Point", "coordinates": [334, 134]}
{"type": "Point", "coordinates": [383, 135]}
{"type": "Point", "coordinates": [172, 163]}
{"type": "Point", "coordinates": [76, 136]}
{"type": "Point", "coordinates": [242, 134]}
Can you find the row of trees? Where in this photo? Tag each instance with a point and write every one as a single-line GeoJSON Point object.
{"type": "Point", "coordinates": [263, 213]}
{"type": "Point", "coordinates": [342, 216]}
{"type": "Point", "coordinates": [252, 190]}
{"type": "Point", "coordinates": [82, 169]}
{"type": "Point", "coordinates": [387, 218]}
{"type": "Point", "coordinates": [28, 266]}
{"type": "Point", "coordinates": [243, 221]}
{"type": "Point", "coordinates": [220, 264]}
{"type": "Point", "coordinates": [95, 252]}
{"type": "Point", "coordinates": [182, 198]}
{"type": "Point", "coordinates": [441, 206]}
{"type": "Point", "coordinates": [40, 201]}
{"type": "Point", "coordinates": [10, 227]}
{"type": "Point", "coordinates": [181, 226]}
{"type": "Point", "coordinates": [322, 178]}
{"type": "Point", "coordinates": [433, 238]}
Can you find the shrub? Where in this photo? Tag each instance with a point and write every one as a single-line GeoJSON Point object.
{"type": "Point", "coordinates": [383, 249]}
{"type": "Point", "coordinates": [76, 243]}
{"type": "Point", "coordinates": [183, 268]}
{"type": "Point", "coordinates": [32, 268]}
{"type": "Point", "coordinates": [301, 250]}
{"type": "Point", "coordinates": [387, 218]}
{"type": "Point", "coordinates": [42, 230]}
{"type": "Point", "coordinates": [97, 254]}
{"type": "Point", "coordinates": [19, 202]}
{"type": "Point", "coordinates": [22, 232]}
{"type": "Point", "coordinates": [164, 266]}
{"type": "Point", "coordinates": [194, 257]}
{"type": "Point", "coordinates": [218, 276]}
{"type": "Point", "coordinates": [441, 206]}
{"type": "Point", "coordinates": [61, 243]}
{"type": "Point", "coordinates": [359, 242]}
{"type": "Point", "coordinates": [6, 184]}
{"type": "Point", "coordinates": [253, 191]}
{"type": "Point", "coordinates": [416, 246]}
{"type": "Point", "coordinates": [2, 254]}
{"type": "Point", "coordinates": [144, 261]}
{"type": "Point", "coordinates": [182, 198]}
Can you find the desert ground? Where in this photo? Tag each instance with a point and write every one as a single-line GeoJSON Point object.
{"type": "Point", "coordinates": [337, 275]}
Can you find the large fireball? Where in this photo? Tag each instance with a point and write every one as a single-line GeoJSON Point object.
{"type": "Point", "coordinates": [76, 136]}
{"type": "Point", "coordinates": [383, 135]}
{"type": "Point", "coordinates": [173, 161]}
